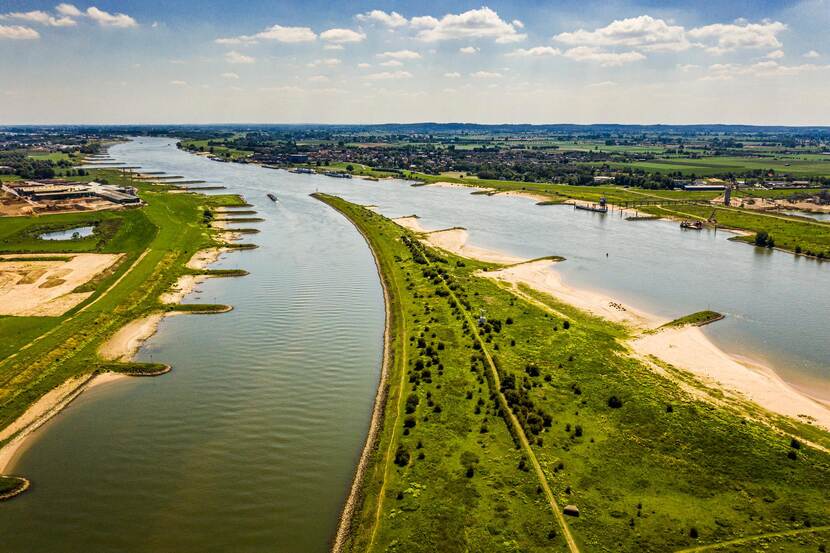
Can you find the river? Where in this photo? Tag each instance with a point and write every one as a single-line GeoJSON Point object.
{"type": "Point", "coordinates": [250, 443]}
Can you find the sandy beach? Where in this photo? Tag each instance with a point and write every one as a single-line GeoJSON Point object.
{"type": "Point", "coordinates": [535, 196]}
{"type": "Point", "coordinates": [444, 184]}
{"type": "Point", "coordinates": [685, 348]}
{"type": "Point", "coordinates": [690, 349]}
{"type": "Point", "coordinates": [455, 241]}
{"type": "Point", "coordinates": [542, 276]}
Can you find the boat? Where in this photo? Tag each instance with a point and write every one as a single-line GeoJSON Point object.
{"type": "Point", "coordinates": [302, 171]}
{"type": "Point", "coordinates": [272, 197]}
{"type": "Point", "coordinates": [601, 207]}
{"type": "Point", "coordinates": [338, 175]}
{"type": "Point", "coordinates": [696, 225]}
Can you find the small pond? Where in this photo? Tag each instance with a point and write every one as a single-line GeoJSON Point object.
{"type": "Point", "coordinates": [68, 234]}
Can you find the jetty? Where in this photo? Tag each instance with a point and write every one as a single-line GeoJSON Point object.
{"type": "Point", "coordinates": [601, 207]}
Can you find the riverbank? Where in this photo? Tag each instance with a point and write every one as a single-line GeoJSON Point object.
{"type": "Point", "coordinates": [687, 348]}
{"type": "Point", "coordinates": [348, 513]}
{"type": "Point", "coordinates": [55, 360]}
{"type": "Point", "coordinates": [619, 438]}
{"type": "Point", "coordinates": [121, 346]}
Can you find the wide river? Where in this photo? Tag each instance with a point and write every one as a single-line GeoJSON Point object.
{"type": "Point", "coordinates": [250, 443]}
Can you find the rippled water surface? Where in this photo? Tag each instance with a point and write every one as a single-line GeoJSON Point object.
{"type": "Point", "coordinates": [250, 443]}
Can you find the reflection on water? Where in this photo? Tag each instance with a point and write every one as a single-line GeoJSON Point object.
{"type": "Point", "coordinates": [250, 443]}
{"type": "Point", "coordinates": [68, 234]}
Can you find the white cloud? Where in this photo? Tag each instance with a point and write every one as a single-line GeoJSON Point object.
{"type": "Point", "coordinates": [230, 75]}
{"type": "Point", "coordinates": [333, 47]}
{"type": "Point", "coordinates": [603, 84]}
{"type": "Point", "coordinates": [643, 32]}
{"type": "Point", "coordinates": [480, 23]}
{"type": "Point", "coordinates": [235, 57]}
{"type": "Point", "coordinates": [107, 19]}
{"type": "Point", "coordinates": [318, 79]}
{"type": "Point", "coordinates": [389, 75]}
{"type": "Point", "coordinates": [17, 32]}
{"type": "Point", "coordinates": [326, 62]}
{"type": "Point", "coordinates": [775, 55]}
{"type": "Point", "coordinates": [468, 50]}
{"type": "Point", "coordinates": [605, 59]}
{"type": "Point", "coordinates": [342, 36]}
{"type": "Point", "coordinates": [536, 51]}
{"type": "Point", "coordinates": [741, 34]}
{"type": "Point", "coordinates": [686, 67]}
{"type": "Point", "coordinates": [278, 33]}
{"type": "Point", "coordinates": [812, 54]}
{"type": "Point", "coordinates": [392, 20]}
{"type": "Point", "coordinates": [364, 65]}
{"type": "Point", "coordinates": [648, 34]}
{"type": "Point", "coordinates": [391, 63]}
{"type": "Point", "coordinates": [178, 83]}
{"type": "Point", "coordinates": [69, 10]}
{"type": "Point", "coordinates": [400, 55]}
{"type": "Point", "coordinates": [486, 75]}
{"type": "Point", "coordinates": [41, 17]}
{"type": "Point", "coordinates": [452, 75]}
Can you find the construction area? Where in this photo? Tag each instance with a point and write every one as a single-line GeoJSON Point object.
{"type": "Point", "coordinates": [30, 197]}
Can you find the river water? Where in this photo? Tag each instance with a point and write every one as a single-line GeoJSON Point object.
{"type": "Point", "coordinates": [250, 443]}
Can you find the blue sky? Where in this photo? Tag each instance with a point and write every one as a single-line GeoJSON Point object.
{"type": "Point", "coordinates": [353, 62]}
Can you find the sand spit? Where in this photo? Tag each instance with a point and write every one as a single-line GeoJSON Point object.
{"type": "Point", "coordinates": [541, 276]}
{"type": "Point", "coordinates": [455, 241]}
{"type": "Point", "coordinates": [688, 348]}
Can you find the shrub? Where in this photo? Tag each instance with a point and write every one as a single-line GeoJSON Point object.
{"type": "Point", "coordinates": [693, 533]}
{"type": "Point", "coordinates": [614, 402]}
{"type": "Point", "coordinates": [401, 456]}
{"type": "Point", "coordinates": [566, 325]}
{"type": "Point", "coordinates": [409, 422]}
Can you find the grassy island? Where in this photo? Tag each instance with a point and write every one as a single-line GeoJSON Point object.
{"type": "Point", "coordinates": [503, 417]}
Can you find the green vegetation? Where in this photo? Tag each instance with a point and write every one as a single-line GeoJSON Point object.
{"type": "Point", "coordinates": [650, 463]}
{"type": "Point", "coordinates": [39, 353]}
{"type": "Point", "coordinates": [700, 318]}
{"type": "Point", "coordinates": [794, 234]}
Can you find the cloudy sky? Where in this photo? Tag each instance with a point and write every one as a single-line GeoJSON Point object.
{"type": "Point", "coordinates": [324, 61]}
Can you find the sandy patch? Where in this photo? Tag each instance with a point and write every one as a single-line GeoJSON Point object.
{"type": "Point", "coordinates": [126, 341]}
{"type": "Point", "coordinates": [44, 288]}
{"type": "Point", "coordinates": [541, 276]}
{"type": "Point", "coordinates": [410, 223]}
{"type": "Point", "coordinates": [443, 184]}
{"type": "Point", "coordinates": [455, 241]}
{"type": "Point", "coordinates": [535, 196]}
{"type": "Point", "coordinates": [688, 348]}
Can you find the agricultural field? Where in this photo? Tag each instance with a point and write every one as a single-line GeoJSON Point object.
{"type": "Point", "coordinates": [505, 405]}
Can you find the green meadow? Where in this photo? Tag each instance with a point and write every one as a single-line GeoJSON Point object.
{"type": "Point", "coordinates": [497, 396]}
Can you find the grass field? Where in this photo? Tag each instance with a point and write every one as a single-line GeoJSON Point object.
{"type": "Point", "coordinates": [651, 465]}
{"type": "Point", "coordinates": [39, 353]}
